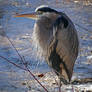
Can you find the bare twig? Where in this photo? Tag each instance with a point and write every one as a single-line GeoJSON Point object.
{"type": "Point", "coordinates": [14, 48]}
{"type": "Point", "coordinates": [34, 76]}
{"type": "Point", "coordinates": [22, 60]}
{"type": "Point", "coordinates": [13, 63]}
{"type": "Point", "coordinates": [25, 70]}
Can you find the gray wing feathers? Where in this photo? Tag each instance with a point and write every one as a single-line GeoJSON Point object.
{"type": "Point", "coordinates": [67, 46]}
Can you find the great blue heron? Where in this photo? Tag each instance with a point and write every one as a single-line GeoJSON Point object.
{"type": "Point", "coordinates": [57, 37]}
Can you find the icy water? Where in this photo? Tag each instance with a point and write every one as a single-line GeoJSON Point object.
{"type": "Point", "coordinates": [19, 31]}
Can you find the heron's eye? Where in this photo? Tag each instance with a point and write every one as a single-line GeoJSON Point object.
{"type": "Point", "coordinates": [39, 12]}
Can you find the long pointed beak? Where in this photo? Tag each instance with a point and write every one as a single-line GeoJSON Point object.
{"type": "Point", "coordinates": [30, 15]}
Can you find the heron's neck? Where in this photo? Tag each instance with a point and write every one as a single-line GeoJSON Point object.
{"type": "Point", "coordinates": [43, 31]}
{"type": "Point", "coordinates": [45, 23]}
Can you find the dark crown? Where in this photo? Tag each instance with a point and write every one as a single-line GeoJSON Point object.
{"type": "Point", "coordinates": [45, 9]}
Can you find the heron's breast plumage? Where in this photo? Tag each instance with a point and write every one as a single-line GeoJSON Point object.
{"type": "Point", "coordinates": [43, 34]}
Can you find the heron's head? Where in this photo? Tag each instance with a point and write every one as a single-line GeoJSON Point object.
{"type": "Point", "coordinates": [39, 12]}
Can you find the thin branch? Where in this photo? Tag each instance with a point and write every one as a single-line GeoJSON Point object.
{"type": "Point", "coordinates": [14, 48]}
{"type": "Point", "coordinates": [36, 79]}
{"type": "Point", "coordinates": [25, 70]}
{"type": "Point", "coordinates": [13, 63]}
{"type": "Point", "coordinates": [22, 60]}
{"type": "Point", "coordinates": [33, 75]}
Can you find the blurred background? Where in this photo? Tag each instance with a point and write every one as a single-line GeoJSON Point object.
{"type": "Point", "coordinates": [19, 31]}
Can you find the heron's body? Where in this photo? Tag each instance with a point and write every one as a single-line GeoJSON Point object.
{"type": "Point", "coordinates": [59, 44]}
{"type": "Point", "coordinates": [57, 37]}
